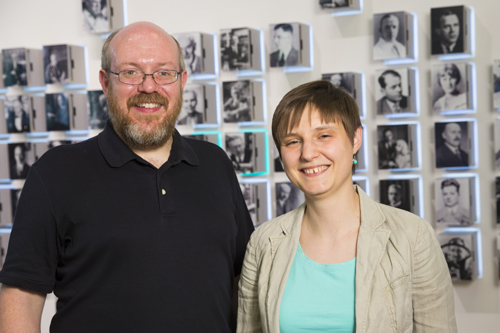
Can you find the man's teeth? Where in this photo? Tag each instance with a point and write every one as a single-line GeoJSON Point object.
{"type": "Point", "coordinates": [148, 105]}
{"type": "Point", "coordinates": [314, 170]}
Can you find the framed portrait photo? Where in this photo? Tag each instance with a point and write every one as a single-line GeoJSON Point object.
{"type": "Point", "coordinates": [199, 54]}
{"type": "Point", "coordinates": [460, 253]}
{"type": "Point", "coordinates": [21, 157]}
{"type": "Point", "coordinates": [288, 197]}
{"type": "Point", "coordinates": [255, 193]}
{"type": "Point", "coordinates": [199, 106]}
{"type": "Point", "coordinates": [18, 111]}
{"type": "Point", "coordinates": [248, 151]}
{"type": "Point", "coordinates": [353, 83]}
{"type": "Point", "coordinates": [453, 88]}
{"type": "Point", "coordinates": [398, 146]}
{"type": "Point", "coordinates": [455, 144]}
{"type": "Point", "coordinates": [396, 92]}
{"type": "Point", "coordinates": [455, 203]}
{"type": "Point", "coordinates": [290, 46]}
{"type": "Point", "coordinates": [98, 109]}
{"type": "Point", "coordinates": [401, 193]}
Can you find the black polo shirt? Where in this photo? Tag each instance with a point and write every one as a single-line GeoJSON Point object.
{"type": "Point", "coordinates": [127, 247]}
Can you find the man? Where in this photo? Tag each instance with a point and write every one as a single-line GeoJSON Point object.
{"type": "Point", "coordinates": [137, 229]}
{"type": "Point", "coordinates": [449, 153]}
{"type": "Point", "coordinates": [388, 47]}
{"type": "Point", "coordinates": [393, 100]}
{"type": "Point", "coordinates": [395, 197]}
{"type": "Point", "coordinates": [239, 153]}
{"type": "Point", "coordinates": [286, 54]}
{"type": "Point", "coordinates": [284, 203]}
{"type": "Point", "coordinates": [447, 36]}
{"type": "Point", "coordinates": [52, 73]}
{"type": "Point", "coordinates": [19, 168]}
{"type": "Point", "coordinates": [192, 117]}
{"type": "Point", "coordinates": [14, 68]}
{"type": "Point", "coordinates": [17, 119]}
{"type": "Point", "coordinates": [386, 150]}
{"type": "Point", "coordinates": [452, 213]}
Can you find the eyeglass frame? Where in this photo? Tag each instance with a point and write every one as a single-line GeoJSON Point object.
{"type": "Point", "coordinates": [178, 74]}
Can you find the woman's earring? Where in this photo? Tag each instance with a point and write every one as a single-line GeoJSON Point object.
{"type": "Point", "coordinates": [354, 160]}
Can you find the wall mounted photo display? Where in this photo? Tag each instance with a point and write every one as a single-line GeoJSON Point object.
{"type": "Point", "coordinates": [213, 137]}
{"type": "Point", "coordinates": [460, 253]}
{"type": "Point", "coordinates": [4, 243]}
{"type": "Point", "coordinates": [453, 88]}
{"type": "Point", "coordinates": [454, 198]}
{"type": "Point", "coordinates": [4, 162]}
{"type": "Point", "coordinates": [455, 143]}
{"type": "Point", "coordinates": [247, 150]}
{"type": "Point", "coordinates": [353, 83]}
{"type": "Point", "coordinates": [342, 7]}
{"type": "Point", "coordinates": [288, 197]}
{"type": "Point", "coordinates": [257, 200]}
{"type": "Point", "coordinates": [398, 146]}
{"type": "Point", "coordinates": [363, 182]}
{"type": "Point", "coordinates": [401, 193]}
{"type": "Point", "coordinates": [57, 112]}
{"type": "Point", "coordinates": [198, 50]}
{"type": "Point", "coordinates": [243, 102]}
{"type": "Point", "coordinates": [21, 157]}
{"type": "Point", "coordinates": [396, 92]}
{"type": "Point", "coordinates": [199, 106]}
{"type": "Point", "coordinates": [23, 67]}
{"type": "Point", "coordinates": [101, 16]}
{"type": "Point", "coordinates": [290, 45]}
{"type": "Point", "coordinates": [240, 50]}
{"type": "Point", "coordinates": [496, 84]}
{"type": "Point", "coordinates": [64, 64]}
{"type": "Point", "coordinates": [3, 120]}
{"type": "Point", "coordinates": [97, 109]}
{"type": "Point", "coordinates": [17, 113]}
{"type": "Point", "coordinates": [453, 32]}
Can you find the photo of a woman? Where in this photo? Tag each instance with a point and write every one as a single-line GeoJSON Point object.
{"type": "Point", "coordinates": [449, 93]}
{"type": "Point", "coordinates": [340, 262]}
{"type": "Point", "coordinates": [402, 157]}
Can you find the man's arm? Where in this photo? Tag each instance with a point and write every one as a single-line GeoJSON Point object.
{"type": "Point", "coordinates": [20, 310]}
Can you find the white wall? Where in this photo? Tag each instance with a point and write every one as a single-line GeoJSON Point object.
{"type": "Point", "coordinates": [340, 44]}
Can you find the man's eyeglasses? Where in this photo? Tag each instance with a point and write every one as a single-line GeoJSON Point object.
{"type": "Point", "coordinates": [136, 77]}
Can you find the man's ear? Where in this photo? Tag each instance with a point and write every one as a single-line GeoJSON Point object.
{"type": "Point", "coordinates": [184, 77]}
{"type": "Point", "coordinates": [104, 80]}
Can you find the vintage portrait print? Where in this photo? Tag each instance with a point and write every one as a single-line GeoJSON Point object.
{"type": "Point", "coordinates": [235, 49]}
{"type": "Point", "coordinates": [95, 16]}
{"type": "Point", "coordinates": [249, 192]}
{"type": "Point", "coordinates": [328, 4]}
{"type": "Point", "coordinates": [193, 105]}
{"type": "Point", "coordinates": [238, 102]}
{"type": "Point", "coordinates": [458, 250]}
{"type": "Point", "coordinates": [98, 109]}
{"type": "Point", "coordinates": [389, 33]}
{"type": "Point", "coordinates": [55, 60]}
{"type": "Point", "coordinates": [452, 144]}
{"type": "Point", "coordinates": [449, 87]}
{"type": "Point", "coordinates": [191, 45]}
{"type": "Point", "coordinates": [57, 112]}
{"type": "Point", "coordinates": [453, 201]}
{"type": "Point", "coordinates": [17, 113]}
{"type": "Point", "coordinates": [240, 147]}
{"type": "Point", "coordinates": [341, 80]}
{"type": "Point", "coordinates": [396, 193]}
{"type": "Point", "coordinates": [14, 67]}
{"type": "Point", "coordinates": [285, 44]}
{"type": "Point", "coordinates": [496, 84]}
{"type": "Point", "coordinates": [21, 157]}
{"type": "Point", "coordinates": [288, 197]}
{"type": "Point", "coordinates": [393, 147]}
{"type": "Point", "coordinates": [447, 30]}
{"type": "Point", "coordinates": [392, 91]}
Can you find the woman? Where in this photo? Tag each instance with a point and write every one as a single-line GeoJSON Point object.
{"type": "Point", "coordinates": [402, 155]}
{"type": "Point", "coordinates": [448, 78]}
{"type": "Point", "coordinates": [340, 262]}
{"type": "Point", "coordinates": [192, 61]}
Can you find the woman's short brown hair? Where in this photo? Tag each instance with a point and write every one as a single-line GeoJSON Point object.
{"type": "Point", "coordinates": [333, 105]}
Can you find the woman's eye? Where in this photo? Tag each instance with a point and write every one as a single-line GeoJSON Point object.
{"type": "Point", "coordinates": [289, 143]}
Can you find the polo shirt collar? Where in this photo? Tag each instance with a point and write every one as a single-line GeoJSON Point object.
{"type": "Point", "coordinates": [117, 153]}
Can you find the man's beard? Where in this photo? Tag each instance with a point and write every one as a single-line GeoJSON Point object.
{"type": "Point", "coordinates": [132, 133]}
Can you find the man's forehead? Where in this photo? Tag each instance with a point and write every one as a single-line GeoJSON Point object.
{"type": "Point", "coordinates": [391, 20]}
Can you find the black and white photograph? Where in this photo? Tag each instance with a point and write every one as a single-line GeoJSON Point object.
{"type": "Point", "coordinates": [396, 193]}
{"type": "Point", "coordinates": [238, 101]}
{"type": "Point", "coordinates": [389, 33]}
{"type": "Point", "coordinates": [452, 144]}
{"type": "Point", "coordinates": [21, 157]}
{"type": "Point", "coordinates": [235, 49]}
{"type": "Point", "coordinates": [288, 197]}
{"type": "Point", "coordinates": [449, 87]}
{"type": "Point", "coordinates": [392, 91]}
{"type": "Point", "coordinates": [98, 109]}
{"type": "Point", "coordinates": [193, 105]}
{"type": "Point", "coordinates": [285, 44]}
{"type": "Point", "coordinates": [393, 147]}
{"type": "Point", "coordinates": [17, 113]}
{"type": "Point", "coordinates": [55, 64]}
{"type": "Point", "coordinates": [496, 84]}
{"type": "Point", "coordinates": [447, 30]}
{"type": "Point", "coordinates": [453, 201]}
{"type": "Point", "coordinates": [95, 16]}
{"type": "Point", "coordinates": [57, 113]}
{"type": "Point", "coordinates": [459, 253]}
{"type": "Point", "coordinates": [329, 4]}
{"type": "Point", "coordinates": [240, 147]}
{"type": "Point", "coordinates": [249, 192]}
{"type": "Point", "coordinates": [341, 80]}
{"type": "Point", "coordinates": [14, 67]}
{"type": "Point", "coordinates": [191, 45]}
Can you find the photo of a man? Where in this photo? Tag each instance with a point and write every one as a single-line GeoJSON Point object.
{"type": "Point", "coordinates": [447, 30]}
{"type": "Point", "coordinates": [286, 44]}
{"type": "Point", "coordinates": [393, 89]}
{"type": "Point", "coordinates": [395, 193]}
{"type": "Point", "coordinates": [452, 195]}
{"type": "Point", "coordinates": [98, 109]}
{"type": "Point", "coordinates": [237, 97]}
{"type": "Point", "coordinates": [191, 46]}
{"type": "Point", "coordinates": [20, 162]}
{"type": "Point", "coordinates": [55, 58]}
{"type": "Point", "coordinates": [14, 67]}
{"type": "Point", "coordinates": [57, 113]}
{"type": "Point", "coordinates": [341, 80]}
{"type": "Point", "coordinates": [288, 197]}
{"type": "Point", "coordinates": [458, 254]}
{"type": "Point", "coordinates": [393, 152]}
{"type": "Point", "coordinates": [240, 149]}
{"type": "Point", "coordinates": [389, 36]}
{"type": "Point", "coordinates": [17, 115]}
{"type": "Point", "coordinates": [192, 110]}
{"type": "Point", "coordinates": [451, 138]}
{"type": "Point", "coordinates": [235, 49]}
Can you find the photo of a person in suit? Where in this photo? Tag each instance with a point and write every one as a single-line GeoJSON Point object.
{"type": "Point", "coordinates": [286, 54]}
{"type": "Point", "coordinates": [449, 153]}
{"type": "Point", "coordinates": [57, 112]}
{"type": "Point", "coordinates": [14, 67]}
{"type": "Point", "coordinates": [240, 151]}
{"type": "Point", "coordinates": [19, 166]}
{"type": "Point", "coordinates": [386, 150]}
{"type": "Point", "coordinates": [237, 105]}
{"type": "Point", "coordinates": [452, 213]}
{"type": "Point", "coordinates": [189, 103]}
{"type": "Point", "coordinates": [52, 73]}
{"type": "Point", "coordinates": [393, 101]}
{"type": "Point", "coordinates": [341, 80]}
{"type": "Point", "coordinates": [388, 46]}
{"type": "Point", "coordinates": [288, 197]}
{"type": "Point", "coordinates": [17, 117]}
{"type": "Point", "coordinates": [447, 29]}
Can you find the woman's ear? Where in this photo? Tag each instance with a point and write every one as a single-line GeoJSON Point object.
{"type": "Point", "coordinates": [358, 139]}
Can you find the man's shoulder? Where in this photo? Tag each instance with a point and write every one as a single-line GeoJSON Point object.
{"type": "Point", "coordinates": [68, 155]}
{"type": "Point", "coordinates": [207, 151]}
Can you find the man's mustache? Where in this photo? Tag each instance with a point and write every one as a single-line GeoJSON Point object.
{"type": "Point", "coordinates": [142, 98]}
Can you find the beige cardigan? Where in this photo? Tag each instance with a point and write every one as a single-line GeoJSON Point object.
{"type": "Point", "coordinates": [402, 279]}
